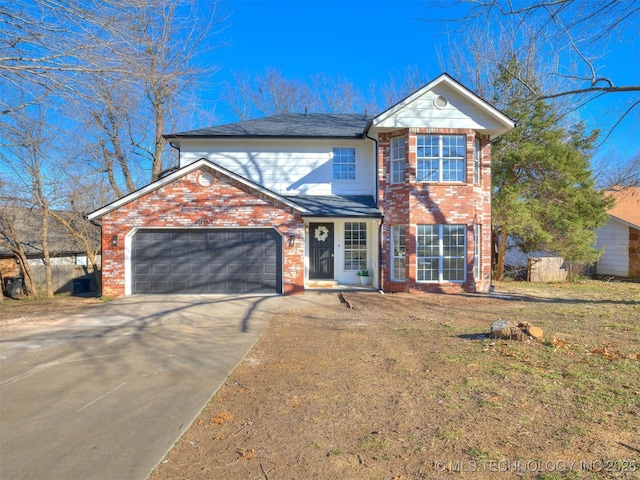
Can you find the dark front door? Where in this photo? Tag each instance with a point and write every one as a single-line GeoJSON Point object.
{"type": "Point", "coordinates": [321, 255]}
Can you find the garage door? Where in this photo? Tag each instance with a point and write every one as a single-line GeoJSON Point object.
{"type": "Point", "coordinates": [206, 261]}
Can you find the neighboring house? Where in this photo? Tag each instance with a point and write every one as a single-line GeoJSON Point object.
{"type": "Point", "coordinates": [64, 248]}
{"type": "Point", "coordinates": [620, 236]}
{"type": "Point", "coordinates": [297, 201]}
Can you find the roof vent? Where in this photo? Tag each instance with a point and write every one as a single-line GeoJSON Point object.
{"type": "Point", "coordinates": [205, 179]}
{"type": "Point", "coordinates": [440, 101]}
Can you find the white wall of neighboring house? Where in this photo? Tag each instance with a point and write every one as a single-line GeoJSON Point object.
{"type": "Point", "coordinates": [288, 167]}
{"type": "Point", "coordinates": [614, 238]}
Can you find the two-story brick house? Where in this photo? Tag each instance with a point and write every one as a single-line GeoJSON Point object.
{"type": "Point", "coordinates": [289, 202]}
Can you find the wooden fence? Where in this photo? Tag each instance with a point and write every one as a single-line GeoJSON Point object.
{"type": "Point", "coordinates": [547, 269]}
{"type": "Point", "coordinates": [63, 276]}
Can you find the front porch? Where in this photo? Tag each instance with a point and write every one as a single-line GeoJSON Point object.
{"type": "Point", "coordinates": [338, 250]}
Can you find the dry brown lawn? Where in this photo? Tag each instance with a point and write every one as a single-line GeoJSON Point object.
{"type": "Point", "coordinates": [408, 386]}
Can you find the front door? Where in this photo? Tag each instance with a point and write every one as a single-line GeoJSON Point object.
{"type": "Point", "coordinates": [321, 251]}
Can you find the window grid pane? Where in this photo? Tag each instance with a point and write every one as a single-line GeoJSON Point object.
{"type": "Point", "coordinates": [441, 158]}
{"type": "Point", "coordinates": [476, 250]}
{"type": "Point", "coordinates": [398, 257]}
{"type": "Point", "coordinates": [397, 160]}
{"type": "Point", "coordinates": [344, 163]}
{"type": "Point", "coordinates": [355, 246]}
{"type": "Point", "coordinates": [441, 253]}
{"type": "Point", "coordinates": [428, 252]}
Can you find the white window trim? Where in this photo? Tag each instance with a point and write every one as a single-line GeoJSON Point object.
{"type": "Point", "coordinates": [477, 257]}
{"type": "Point", "coordinates": [333, 163]}
{"type": "Point", "coordinates": [441, 159]}
{"type": "Point", "coordinates": [441, 256]}
{"type": "Point", "coordinates": [394, 228]}
{"type": "Point", "coordinates": [362, 249]}
{"type": "Point", "coordinates": [399, 159]}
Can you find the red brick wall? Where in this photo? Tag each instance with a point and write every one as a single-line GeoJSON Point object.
{"type": "Point", "coordinates": [187, 204]}
{"type": "Point", "coordinates": [412, 203]}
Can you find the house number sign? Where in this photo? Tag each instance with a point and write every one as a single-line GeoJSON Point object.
{"type": "Point", "coordinates": [321, 233]}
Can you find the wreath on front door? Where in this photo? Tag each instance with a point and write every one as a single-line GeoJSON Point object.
{"type": "Point", "coordinates": [321, 233]}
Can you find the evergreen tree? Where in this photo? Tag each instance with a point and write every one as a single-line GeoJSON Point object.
{"type": "Point", "coordinates": [544, 194]}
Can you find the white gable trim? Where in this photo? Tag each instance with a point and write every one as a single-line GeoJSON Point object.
{"type": "Point", "coordinates": [624, 222]}
{"type": "Point", "coordinates": [466, 93]}
{"type": "Point", "coordinates": [203, 162]}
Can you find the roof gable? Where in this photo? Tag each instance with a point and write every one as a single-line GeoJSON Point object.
{"type": "Point", "coordinates": [463, 109]}
{"type": "Point", "coordinates": [627, 206]}
{"type": "Point", "coordinates": [182, 172]}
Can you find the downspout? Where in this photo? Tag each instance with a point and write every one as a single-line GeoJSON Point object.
{"type": "Point", "coordinates": [377, 198]}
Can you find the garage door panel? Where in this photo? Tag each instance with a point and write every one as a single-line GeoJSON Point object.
{"type": "Point", "coordinates": [160, 269]}
{"type": "Point", "coordinates": [142, 269]}
{"type": "Point", "coordinates": [181, 269]}
{"type": "Point", "coordinates": [207, 261]}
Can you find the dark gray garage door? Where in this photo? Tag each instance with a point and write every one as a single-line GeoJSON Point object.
{"type": "Point", "coordinates": [206, 261]}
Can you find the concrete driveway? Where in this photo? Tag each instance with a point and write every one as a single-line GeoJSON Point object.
{"type": "Point", "coordinates": [104, 395]}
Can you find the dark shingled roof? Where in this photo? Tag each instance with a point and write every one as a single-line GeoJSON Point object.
{"type": "Point", "coordinates": [313, 125]}
{"type": "Point", "coordinates": [337, 206]}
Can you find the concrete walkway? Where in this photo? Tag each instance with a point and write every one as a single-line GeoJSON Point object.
{"type": "Point", "coordinates": [105, 395]}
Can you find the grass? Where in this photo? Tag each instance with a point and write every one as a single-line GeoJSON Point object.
{"type": "Point", "coordinates": [421, 387]}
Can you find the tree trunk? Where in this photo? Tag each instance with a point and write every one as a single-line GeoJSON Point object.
{"type": "Point", "coordinates": [502, 252]}
{"type": "Point", "coordinates": [45, 251]}
{"type": "Point", "coordinates": [29, 282]}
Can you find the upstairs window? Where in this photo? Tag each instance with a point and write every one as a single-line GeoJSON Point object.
{"type": "Point", "coordinates": [441, 158]}
{"type": "Point", "coordinates": [397, 160]}
{"type": "Point", "coordinates": [344, 163]}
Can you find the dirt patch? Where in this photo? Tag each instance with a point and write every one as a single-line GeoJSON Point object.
{"type": "Point", "coordinates": [410, 386]}
{"type": "Point", "coordinates": [16, 315]}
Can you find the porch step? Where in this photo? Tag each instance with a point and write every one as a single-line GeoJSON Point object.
{"type": "Point", "coordinates": [322, 284]}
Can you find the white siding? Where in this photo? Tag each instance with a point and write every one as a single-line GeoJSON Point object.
{"type": "Point", "coordinates": [287, 167]}
{"type": "Point", "coordinates": [614, 237]}
{"type": "Point", "coordinates": [459, 113]}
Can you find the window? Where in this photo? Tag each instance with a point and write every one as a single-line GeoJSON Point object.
{"type": "Point", "coordinates": [476, 250]}
{"type": "Point", "coordinates": [441, 253]}
{"type": "Point", "coordinates": [344, 163]}
{"type": "Point", "coordinates": [398, 254]}
{"type": "Point", "coordinates": [476, 163]}
{"type": "Point", "coordinates": [441, 158]}
{"type": "Point", "coordinates": [397, 160]}
{"type": "Point", "coordinates": [355, 246]}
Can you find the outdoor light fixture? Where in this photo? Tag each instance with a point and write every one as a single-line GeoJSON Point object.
{"type": "Point", "coordinates": [292, 240]}
{"type": "Point", "coordinates": [114, 241]}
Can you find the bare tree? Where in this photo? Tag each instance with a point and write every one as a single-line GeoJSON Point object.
{"type": "Point", "coordinates": [28, 159]}
{"type": "Point", "coordinates": [400, 84]}
{"type": "Point", "coordinates": [611, 172]}
{"type": "Point", "coordinates": [10, 238]}
{"type": "Point", "coordinates": [46, 45]}
{"type": "Point", "coordinates": [572, 38]}
{"type": "Point", "coordinates": [118, 70]}
{"type": "Point", "coordinates": [271, 93]}
{"type": "Point", "coordinates": [335, 95]}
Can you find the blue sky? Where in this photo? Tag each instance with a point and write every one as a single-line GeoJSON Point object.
{"type": "Point", "coordinates": [365, 41]}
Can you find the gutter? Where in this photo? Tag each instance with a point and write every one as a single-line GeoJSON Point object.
{"type": "Point", "coordinates": [377, 195]}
